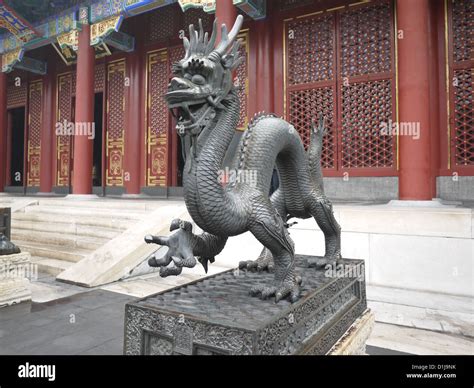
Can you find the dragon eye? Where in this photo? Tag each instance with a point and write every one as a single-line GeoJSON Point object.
{"type": "Point", "coordinates": [198, 79]}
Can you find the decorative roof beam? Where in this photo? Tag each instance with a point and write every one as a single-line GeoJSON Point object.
{"type": "Point", "coordinates": [15, 24]}
{"type": "Point", "coordinates": [106, 9]}
{"type": "Point", "coordinates": [10, 59]}
{"type": "Point", "coordinates": [208, 6]}
{"type": "Point", "coordinates": [47, 32]}
{"type": "Point", "coordinates": [32, 65]}
{"type": "Point", "coordinates": [103, 34]}
{"type": "Point", "coordinates": [256, 9]}
{"type": "Point", "coordinates": [121, 41]}
{"type": "Point", "coordinates": [16, 60]}
{"type": "Point", "coordinates": [101, 30]}
{"type": "Point", "coordinates": [136, 7]}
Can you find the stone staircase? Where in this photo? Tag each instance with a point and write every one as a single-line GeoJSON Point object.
{"type": "Point", "coordinates": [61, 232]}
{"type": "Point", "coordinates": [5, 201]}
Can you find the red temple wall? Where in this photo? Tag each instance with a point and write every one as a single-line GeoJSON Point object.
{"type": "Point", "coordinates": [353, 82]}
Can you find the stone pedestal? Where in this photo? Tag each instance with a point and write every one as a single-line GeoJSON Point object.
{"type": "Point", "coordinates": [15, 271]}
{"type": "Point", "coordinates": [218, 316]}
{"type": "Point", "coordinates": [353, 342]}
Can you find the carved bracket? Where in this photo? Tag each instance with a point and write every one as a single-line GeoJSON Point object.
{"type": "Point", "coordinates": [256, 9]}
{"type": "Point", "coordinates": [10, 59]}
{"type": "Point", "coordinates": [208, 6]}
{"type": "Point", "coordinates": [32, 65]}
{"type": "Point", "coordinates": [101, 30]}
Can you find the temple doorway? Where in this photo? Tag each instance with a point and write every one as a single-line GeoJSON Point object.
{"type": "Point", "coordinates": [98, 158]}
{"type": "Point", "coordinates": [15, 169]}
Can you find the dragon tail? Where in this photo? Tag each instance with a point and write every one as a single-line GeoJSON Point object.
{"type": "Point", "coordinates": [315, 152]}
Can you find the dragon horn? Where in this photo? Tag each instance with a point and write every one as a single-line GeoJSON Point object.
{"type": "Point", "coordinates": [212, 40]}
{"type": "Point", "coordinates": [227, 39]}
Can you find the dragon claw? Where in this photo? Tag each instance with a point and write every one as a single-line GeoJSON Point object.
{"type": "Point", "coordinates": [186, 263]}
{"type": "Point", "coordinates": [321, 262]}
{"type": "Point", "coordinates": [180, 251]}
{"type": "Point", "coordinates": [286, 289]}
{"type": "Point", "coordinates": [263, 263]}
{"type": "Point", "coordinates": [170, 271]}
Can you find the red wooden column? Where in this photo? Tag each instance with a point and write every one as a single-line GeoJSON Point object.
{"type": "Point", "coordinates": [134, 113]}
{"type": "Point", "coordinates": [47, 133]}
{"type": "Point", "coordinates": [83, 147]}
{"type": "Point", "coordinates": [226, 13]}
{"type": "Point", "coordinates": [265, 89]}
{"type": "Point", "coordinates": [414, 96]}
{"type": "Point", "coordinates": [8, 162]}
{"type": "Point", "coordinates": [3, 129]}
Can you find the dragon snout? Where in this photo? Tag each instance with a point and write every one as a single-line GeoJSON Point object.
{"type": "Point", "coordinates": [178, 84]}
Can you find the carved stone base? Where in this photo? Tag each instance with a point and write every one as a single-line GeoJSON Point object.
{"type": "Point", "coordinates": [14, 283]}
{"type": "Point", "coordinates": [218, 316]}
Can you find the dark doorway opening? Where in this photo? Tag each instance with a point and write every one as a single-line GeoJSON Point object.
{"type": "Point", "coordinates": [17, 147]}
{"type": "Point", "coordinates": [97, 169]}
{"type": "Point", "coordinates": [176, 161]}
{"type": "Point", "coordinates": [71, 144]}
{"type": "Point", "coordinates": [181, 161]}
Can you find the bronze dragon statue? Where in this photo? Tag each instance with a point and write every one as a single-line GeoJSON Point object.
{"type": "Point", "coordinates": [203, 97]}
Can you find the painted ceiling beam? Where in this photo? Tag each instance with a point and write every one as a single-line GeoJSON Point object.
{"type": "Point", "coordinates": [32, 65]}
{"type": "Point", "coordinates": [256, 9]}
{"type": "Point", "coordinates": [208, 6]}
{"type": "Point", "coordinates": [15, 24]}
{"type": "Point", "coordinates": [47, 32]}
{"type": "Point", "coordinates": [121, 41]}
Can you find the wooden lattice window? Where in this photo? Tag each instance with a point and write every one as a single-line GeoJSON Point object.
{"type": "Point", "coordinates": [341, 64]}
{"type": "Point", "coordinates": [64, 113]}
{"type": "Point", "coordinates": [35, 100]}
{"type": "Point", "coordinates": [461, 69]}
{"type": "Point", "coordinates": [311, 78]}
{"type": "Point", "coordinates": [158, 120]}
{"type": "Point", "coordinates": [115, 145]}
{"type": "Point", "coordinates": [17, 89]}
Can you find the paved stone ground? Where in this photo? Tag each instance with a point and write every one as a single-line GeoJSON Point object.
{"type": "Point", "coordinates": [90, 323]}
{"type": "Point", "coordinates": [69, 320]}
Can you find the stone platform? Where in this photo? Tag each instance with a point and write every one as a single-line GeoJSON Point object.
{"type": "Point", "coordinates": [218, 316]}
{"type": "Point", "coordinates": [354, 341]}
{"type": "Point", "coordinates": [14, 282]}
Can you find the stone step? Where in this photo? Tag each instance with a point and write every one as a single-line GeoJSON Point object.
{"type": "Point", "coordinates": [84, 220]}
{"type": "Point", "coordinates": [51, 266]}
{"type": "Point", "coordinates": [68, 228]}
{"type": "Point", "coordinates": [124, 204]}
{"type": "Point", "coordinates": [72, 211]}
{"type": "Point", "coordinates": [72, 241]}
{"type": "Point", "coordinates": [57, 252]}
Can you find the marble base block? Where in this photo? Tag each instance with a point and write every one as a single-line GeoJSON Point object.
{"type": "Point", "coordinates": [15, 272]}
{"type": "Point", "coordinates": [217, 316]}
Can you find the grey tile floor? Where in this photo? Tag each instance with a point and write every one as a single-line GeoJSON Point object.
{"type": "Point", "coordinates": [90, 323]}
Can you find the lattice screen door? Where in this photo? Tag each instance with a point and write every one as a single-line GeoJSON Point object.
{"type": "Point", "coordinates": [341, 64]}
{"type": "Point", "coordinates": [461, 68]}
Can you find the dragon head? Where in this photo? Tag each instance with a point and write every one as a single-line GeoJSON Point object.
{"type": "Point", "coordinates": [203, 78]}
